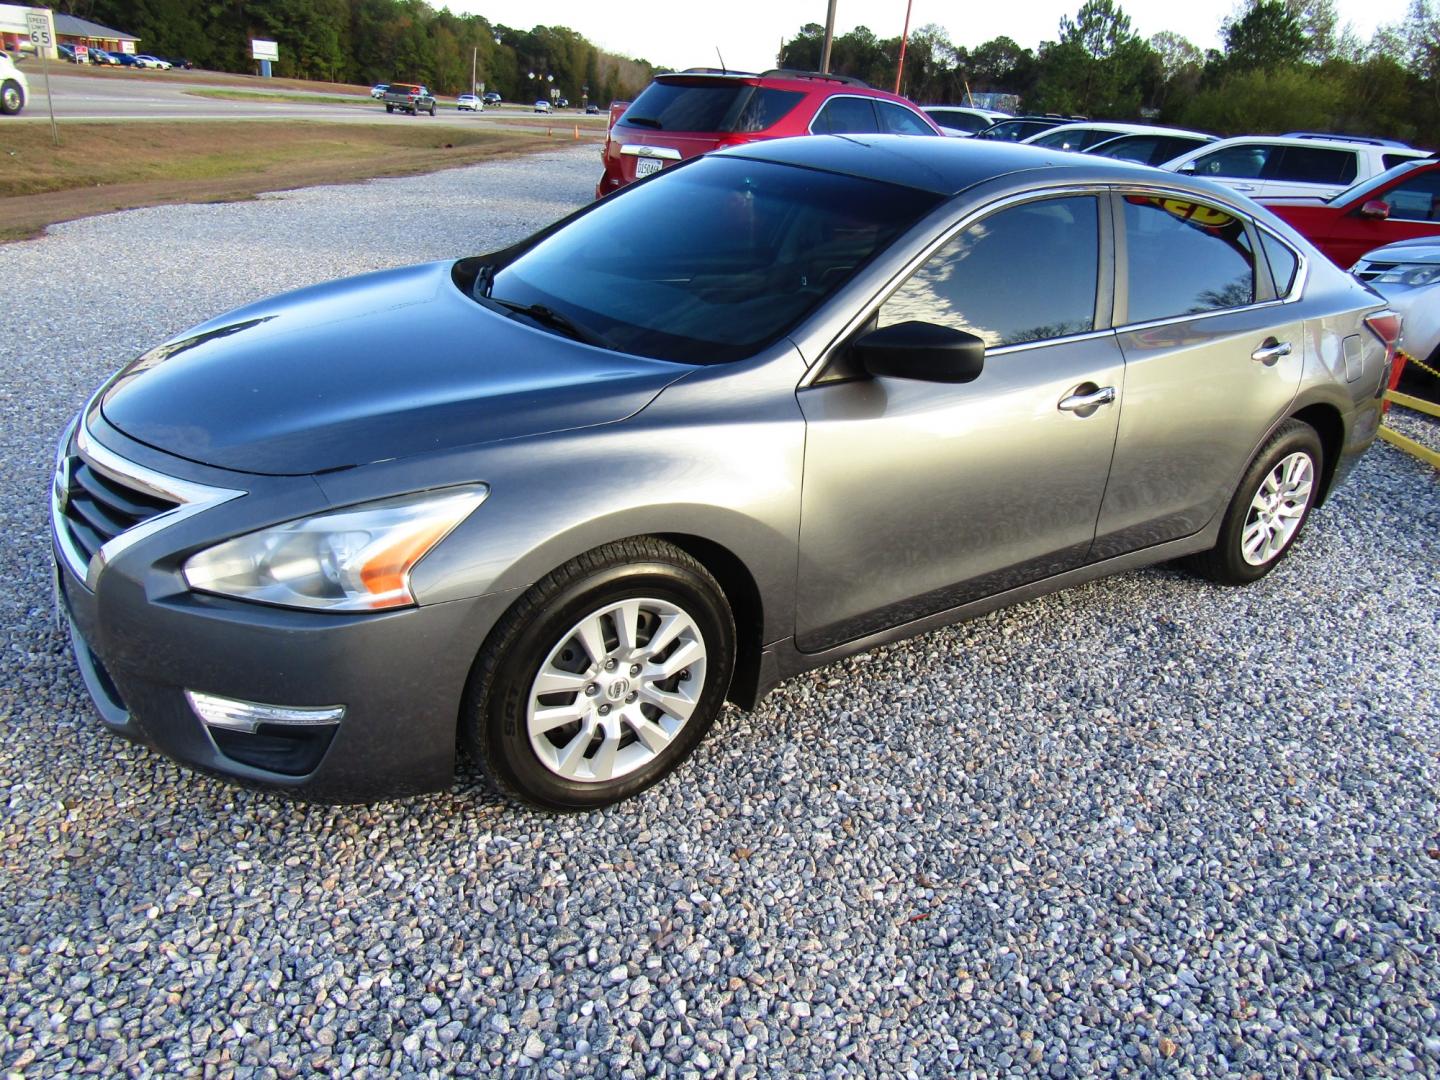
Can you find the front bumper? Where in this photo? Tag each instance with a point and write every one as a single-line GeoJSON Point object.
{"type": "Point", "coordinates": [141, 640]}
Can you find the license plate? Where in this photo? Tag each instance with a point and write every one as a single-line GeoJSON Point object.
{"type": "Point", "coordinates": [646, 166]}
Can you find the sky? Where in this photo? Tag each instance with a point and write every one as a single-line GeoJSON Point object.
{"type": "Point", "coordinates": [685, 33]}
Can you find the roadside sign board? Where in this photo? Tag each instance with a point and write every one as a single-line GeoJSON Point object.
{"type": "Point", "coordinates": [261, 49]}
{"type": "Point", "coordinates": [127, 47]}
{"type": "Point", "coordinates": [38, 23]}
{"type": "Point", "coordinates": [82, 54]}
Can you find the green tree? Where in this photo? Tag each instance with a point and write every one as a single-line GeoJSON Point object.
{"type": "Point", "coordinates": [1099, 67]}
{"type": "Point", "coordinates": [1268, 36]}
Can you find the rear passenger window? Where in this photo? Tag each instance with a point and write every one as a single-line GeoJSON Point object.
{"type": "Point", "coordinates": [1238, 162]}
{"type": "Point", "coordinates": [845, 116]}
{"type": "Point", "coordinates": [1184, 258]}
{"type": "Point", "coordinates": [1391, 160]}
{"type": "Point", "coordinates": [1313, 165]}
{"type": "Point", "coordinates": [898, 120]}
{"type": "Point", "coordinates": [1283, 263]}
{"type": "Point", "coordinates": [1020, 275]}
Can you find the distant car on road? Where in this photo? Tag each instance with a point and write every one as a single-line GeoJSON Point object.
{"type": "Point", "coordinates": [592, 109]}
{"type": "Point", "coordinates": [542, 105]}
{"type": "Point", "coordinates": [14, 89]}
{"type": "Point", "coordinates": [378, 90]}
{"type": "Point", "coordinates": [1402, 203]}
{"type": "Point", "coordinates": [469, 102]}
{"type": "Point", "coordinates": [491, 97]}
{"type": "Point", "coordinates": [409, 98]}
{"type": "Point", "coordinates": [145, 60]}
{"type": "Point", "coordinates": [1292, 166]}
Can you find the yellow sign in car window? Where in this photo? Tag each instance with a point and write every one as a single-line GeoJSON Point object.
{"type": "Point", "coordinates": [1195, 213]}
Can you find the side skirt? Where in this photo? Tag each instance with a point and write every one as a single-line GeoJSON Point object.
{"type": "Point", "coordinates": [782, 659]}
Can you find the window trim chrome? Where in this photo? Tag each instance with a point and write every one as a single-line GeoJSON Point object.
{"type": "Point", "coordinates": [191, 499]}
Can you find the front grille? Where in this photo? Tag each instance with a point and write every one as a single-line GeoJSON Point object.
{"type": "Point", "coordinates": [97, 507]}
{"type": "Point", "coordinates": [1369, 271]}
{"type": "Point", "coordinates": [101, 504]}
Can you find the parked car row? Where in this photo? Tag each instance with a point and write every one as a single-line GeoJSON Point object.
{"type": "Point", "coordinates": [94, 55]}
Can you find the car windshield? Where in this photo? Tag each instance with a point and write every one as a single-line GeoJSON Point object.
{"type": "Point", "coordinates": [711, 262]}
{"type": "Point", "coordinates": [1363, 189]}
{"type": "Point", "coordinates": [1014, 130]}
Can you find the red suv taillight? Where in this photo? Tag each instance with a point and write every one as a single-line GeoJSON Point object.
{"type": "Point", "coordinates": [1386, 325]}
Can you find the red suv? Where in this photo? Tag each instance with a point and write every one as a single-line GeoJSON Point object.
{"type": "Point", "coordinates": [1401, 204]}
{"type": "Point", "coordinates": [690, 113]}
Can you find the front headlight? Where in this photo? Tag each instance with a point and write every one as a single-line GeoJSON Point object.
{"type": "Point", "coordinates": [1409, 274]}
{"type": "Point", "coordinates": [357, 559]}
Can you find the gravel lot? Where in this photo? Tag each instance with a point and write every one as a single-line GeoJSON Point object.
{"type": "Point", "coordinates": [1147, 826]}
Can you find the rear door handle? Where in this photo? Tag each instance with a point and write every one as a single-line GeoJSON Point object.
{"type": "Point", "coordinates": [1243, 187]}
{"type": "Point", "coordinates": [1270, 351]}
{"type": "Point", "coordinates": [1076, 402]}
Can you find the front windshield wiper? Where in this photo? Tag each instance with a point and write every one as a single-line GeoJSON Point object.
{"type": "Point", "coordinates": [645, 121]}
{"type": "Point", "coordinates": [551, 318]}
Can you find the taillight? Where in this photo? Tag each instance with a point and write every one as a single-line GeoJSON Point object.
{"type": "Point", "coordinates": [1386, 325]}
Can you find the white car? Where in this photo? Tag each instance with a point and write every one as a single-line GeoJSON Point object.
{"type": "Point", "coordinates": [1080, 137]}
{"type": "Point", "coordinates": [378, 90]}
{"type": "Point", "coordinates": [469, 101]}
{"type": "Point", "coordinates": [145, 61]}
{"type": "Point", "coordinates": [542, 106]}
{"type": "Point", "coordinates": [1407, 274]}
{"type": "Point", "coordinates": [962, 121]}
{"type": "Point", "coordinates": [14, 90]}
{"type": "Point", "coordinates": [1292, 166]}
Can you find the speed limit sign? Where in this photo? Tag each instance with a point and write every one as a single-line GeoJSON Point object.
{"type": "Point", "coordinates": [38, 23]}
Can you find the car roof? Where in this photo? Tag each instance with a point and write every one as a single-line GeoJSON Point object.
{"type": "Point", "coordinates": [939, 166]}
{"type": "Point", "coordinates": [1119, 128]}
{"type": "Point", "coordinates": [807, 81]}
{"type": "Point", "coordinates": [1290, 140]}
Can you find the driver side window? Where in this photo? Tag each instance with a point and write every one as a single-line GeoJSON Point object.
{"type": "Point", "coordinates": [1027, 273]}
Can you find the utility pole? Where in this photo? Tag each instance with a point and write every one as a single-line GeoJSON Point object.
{"type": "Point", "coordinates": [904, 40]}
{"type": "Point", "coordinates": [474, 53]}
{"type": "Point", "coordinates": [829, 37]}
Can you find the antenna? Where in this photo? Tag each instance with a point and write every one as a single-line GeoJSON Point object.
{"type": "Point", "coordinates": [723, 68]}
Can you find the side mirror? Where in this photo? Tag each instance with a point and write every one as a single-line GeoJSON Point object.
{"type": "Point", "coordinates": [921, 350]}
{"type": "Point", "coordinates": [1376, 209]}
{"type": "Point", "coordinates": [1188, 168]}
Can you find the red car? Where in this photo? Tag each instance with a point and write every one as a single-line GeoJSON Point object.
{"type": "Point", "coordinates": [1400, 204]}
{"type": "Point", "coordinates": [690, 113]}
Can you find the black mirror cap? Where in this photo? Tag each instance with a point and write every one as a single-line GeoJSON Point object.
{"type": "Point", "coordinates": [920, 350]}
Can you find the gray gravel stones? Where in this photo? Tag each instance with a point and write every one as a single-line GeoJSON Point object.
{"type": "Point", "coordinates": [1144, 827]}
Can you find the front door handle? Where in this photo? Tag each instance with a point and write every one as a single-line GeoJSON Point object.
{"type": "Point", "coordinates": [1270, 351]}
{"type": "Point", "coordinates": [1079, 402]}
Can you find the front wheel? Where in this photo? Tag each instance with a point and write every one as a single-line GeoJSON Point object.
{"type": "Point", "coordinates": [602, 678]}
{"type": "Point", "coordinates": [12, 100]}
{"type": "Point", "coordinates": [1269, 508]}
{"type": "Point", "coordinates": [432, 110]}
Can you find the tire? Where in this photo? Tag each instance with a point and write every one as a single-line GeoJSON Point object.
{"type": "Point", "coordinates": [631, 742]}
{"type": "Point", "coordinates": [1254, 536]}
{"type": "Point", "coordinates": [390, 108]}
{"type": "Point", "coordinates": [432, 110]}
{"type": "Point", "coordinates": [12, 98]}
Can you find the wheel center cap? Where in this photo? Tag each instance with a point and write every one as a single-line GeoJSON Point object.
{"type": "Point", "coordinates": [617, 689]}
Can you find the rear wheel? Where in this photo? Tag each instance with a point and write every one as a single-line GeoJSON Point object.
{"type": "Point", "coordinates": [390, 108]}
{"type": "Point", "coordinates": [602, 678]}
{"type": "Point", "coordinates": [1269, 508]}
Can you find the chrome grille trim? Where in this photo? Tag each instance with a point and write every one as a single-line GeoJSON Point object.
{"type": "Point", "coordinates": [190, 499]}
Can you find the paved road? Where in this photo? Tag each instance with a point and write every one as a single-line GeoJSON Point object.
{"type": "Point", "coordinates": [164, 96]}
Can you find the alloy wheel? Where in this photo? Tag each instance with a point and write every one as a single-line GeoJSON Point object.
{"type": "Point", "coordinates": [616, 690]}
{"type": "Point", "coordinates": [1278, 508]}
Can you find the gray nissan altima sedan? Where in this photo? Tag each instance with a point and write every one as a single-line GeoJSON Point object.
{"type": "Point", "coordinates": [764, 409]}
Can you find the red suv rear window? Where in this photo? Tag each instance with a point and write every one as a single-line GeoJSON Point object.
{"type": "Point", "coordinates": [711, 107]}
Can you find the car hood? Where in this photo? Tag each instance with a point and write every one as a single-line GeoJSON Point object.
{"type": "Point", "coordinates": [1420, 250]}
{"type": "Point", "coordinates": [373, 368]}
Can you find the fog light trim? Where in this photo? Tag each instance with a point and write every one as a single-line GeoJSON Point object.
{"type": "Point", "coordinates": [232, 714]}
